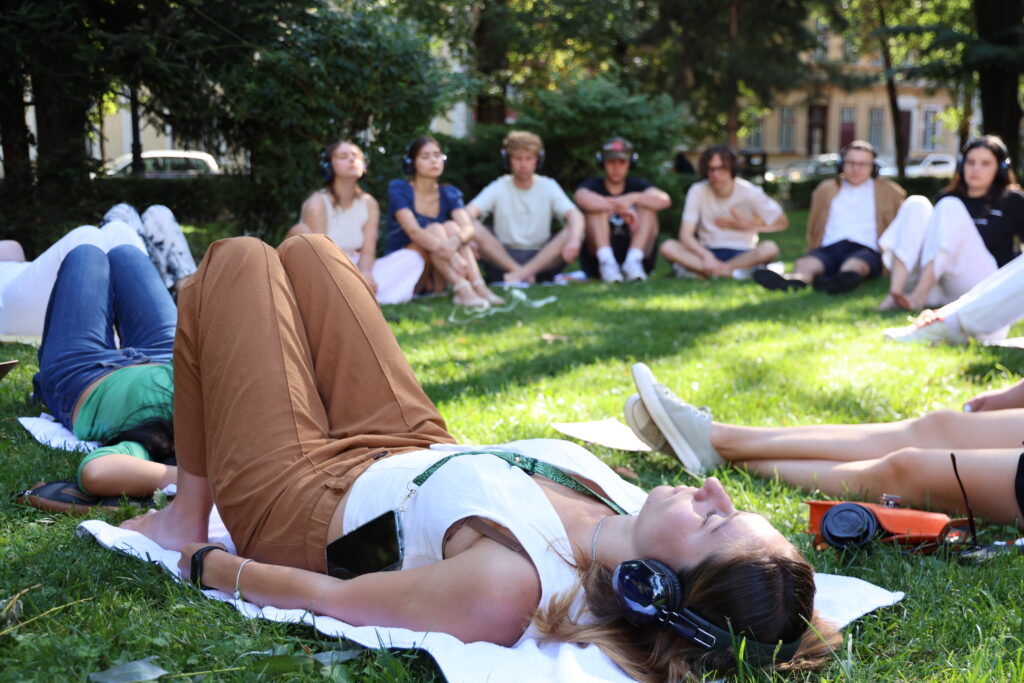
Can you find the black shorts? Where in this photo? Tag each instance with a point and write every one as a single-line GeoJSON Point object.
{"type": "Point", "coordinates": [838, 253]}
{"type": "Point", "coordinates": [1018, 485]}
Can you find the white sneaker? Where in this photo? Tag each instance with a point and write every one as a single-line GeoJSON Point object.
{"type": "Point", "coordinates": [936, 332]}
{"type": "Point", "coordinates": [634, 271]}
{"type": "Point", "coordinates": [687, 429]}
{"type": "Point", "coordinates": [610, 271]}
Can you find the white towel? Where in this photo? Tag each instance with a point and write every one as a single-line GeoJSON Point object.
{"type": "Point", "coordinates": [49, 432]}
{"type": "Point", "coordinates": [840, 599]}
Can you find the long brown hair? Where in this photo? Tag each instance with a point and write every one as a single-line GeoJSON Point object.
{"type": "Point", "coordinates": [329, 156]}
{"type": "Point", "coordinates": [1004, 177]}
{"type": "Point", "coordinates": [767, 595]}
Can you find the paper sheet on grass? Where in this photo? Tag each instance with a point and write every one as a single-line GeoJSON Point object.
{"type": "Point", "coordinates": [609, 432]}
{"type": "Point", "coordinates": [840, 599]}
{"type": "Point", "coordinates": [49, 432]}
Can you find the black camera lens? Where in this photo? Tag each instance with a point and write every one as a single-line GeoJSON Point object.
{"type": "Point", "coordinates": [848, 525]}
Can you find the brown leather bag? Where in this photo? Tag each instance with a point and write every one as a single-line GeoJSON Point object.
{"type": "Point", "coordinates": [66, 497]}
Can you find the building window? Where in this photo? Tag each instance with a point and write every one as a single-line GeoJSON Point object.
{"type": "Point", "coordinates": [930, 130]}
{"type": "Point", "coordinates": [848, 115]}
{"type": "Point", "coordinates": [755, 134]}
{"type": "Point", "coordinates": [821, 46]}
{"type": "Point", "coordinates": [849, 50]}
{"type": "Point", "coordinates": [875, 127]}
{"type": "Point", "coordinates": [787, 124]}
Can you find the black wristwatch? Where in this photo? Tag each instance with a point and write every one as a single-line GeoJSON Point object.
{"type": "Point", "coordinates": [196, 567]}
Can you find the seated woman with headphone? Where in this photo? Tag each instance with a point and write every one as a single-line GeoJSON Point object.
{"type": "Point", "coordinates": [532, 539]}
{"type": "Point", "coordinates": [120, 394]}
{"type": "Point", "coordinates": [350, 216]}
{"type": "Point", "coordinates": [936, 254]}
{"type": "Point", "coordinates": [429, 217]}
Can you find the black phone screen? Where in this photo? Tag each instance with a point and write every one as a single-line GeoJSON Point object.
{"type": "Point", "coordinates": [373, 547]}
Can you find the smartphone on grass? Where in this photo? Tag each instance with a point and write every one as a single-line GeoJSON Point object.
{"type": "Point", "coordinates": [376, 546]}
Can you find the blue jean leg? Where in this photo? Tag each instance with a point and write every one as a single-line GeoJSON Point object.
{"type": "Point", "coordinates": [78, 340]}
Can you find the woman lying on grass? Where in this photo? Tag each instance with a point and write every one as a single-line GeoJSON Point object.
{"type": "Point", "coordinates": [909, 458]}
{"type": "Point", "coordinates": [120, 396]}
{"type": "Point", "coordinates": [297, 414]}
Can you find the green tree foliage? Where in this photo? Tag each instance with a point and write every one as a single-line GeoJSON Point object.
{"type": "Point", "coordinates": [275, 80]}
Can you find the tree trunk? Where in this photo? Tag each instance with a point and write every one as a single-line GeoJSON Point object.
{"type": "Point", "coordinates": [890, 87]}
{"type": "Point", "coordinates": [62, 123]}
{"type": "Point", "coordinates": [137, 168]}
{"type": "Point", "coordinates": [732, 123]}
{"type": "Point", "coordinates": [1000, 24]}
{"type": "Point", "coordinates": [491, 45]}
{"type": "Point", "coordinates": [15, 136]}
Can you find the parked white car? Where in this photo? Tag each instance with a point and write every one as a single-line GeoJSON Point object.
{"type": "Point", "coordinates": [936, 165]}
{"type": "Point", "coordinates": [166, 163]}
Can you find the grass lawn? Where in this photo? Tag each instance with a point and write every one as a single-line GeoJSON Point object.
{"type": "Point", "coordinates": [755, 357]}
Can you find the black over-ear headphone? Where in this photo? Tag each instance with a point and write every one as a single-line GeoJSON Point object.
{"type": "Point", "coordinates": [876, 168]}
{"type": "Point", "coordinates": [651, 593]}
{"type": "Point", "coordinates": [327, 169]}
{"type": "Point", "coordinates": [617, 145]}
{"type": "Point", "coordinates": [1001, 153]}
{"type": "Point", "coordinates": [505, 163]}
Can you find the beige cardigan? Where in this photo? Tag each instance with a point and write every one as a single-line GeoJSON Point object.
{"type": "Point", "coordinates": [888, 197]}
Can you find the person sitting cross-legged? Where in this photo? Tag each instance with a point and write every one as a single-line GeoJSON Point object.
{"type": "Point", "coordinates": [523, 203]}
{"type": "Point", "coordinates": [848, 215]}
{"type": "Point", "coordinates": [722, 217]}
{"type": "Point", "coordinates": [621, 216]}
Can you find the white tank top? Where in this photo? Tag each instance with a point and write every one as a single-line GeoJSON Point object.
{"type": "Point", "coordinates": [488, 487]}
{"type": "Point", "coordinates": [345, 226]}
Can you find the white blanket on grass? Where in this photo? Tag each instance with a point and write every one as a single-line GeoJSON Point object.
{"type": "Point", "coordinates": [839, 599]}
{"type": "Point", "coordinates": [47, 431]}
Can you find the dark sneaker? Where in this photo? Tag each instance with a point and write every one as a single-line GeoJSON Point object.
{"type": "Point", "coordinates": [769, 279]}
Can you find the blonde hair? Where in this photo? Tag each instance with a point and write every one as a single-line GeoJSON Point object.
{"type": "Point", "coordinates": [522, 141]}
{"type": "Point", "coordinates": [763, 594]}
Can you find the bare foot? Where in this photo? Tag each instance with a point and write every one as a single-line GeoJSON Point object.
{"type": "Point", "coordinates": [466, 296]}
{"type": "Point", "coordinates": [516, 276]}
{"type": "Point", "coordinates": [904, 301]}
{"type": "Point", "coordinates": [168, 528]}
{"type": "Point", "coordinates": [888, 304]}
{"type": "Point", "coordinates": [480, 287]}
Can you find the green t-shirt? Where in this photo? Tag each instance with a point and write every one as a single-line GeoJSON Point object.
{"type": "Point", "coordinates": [125, 399]}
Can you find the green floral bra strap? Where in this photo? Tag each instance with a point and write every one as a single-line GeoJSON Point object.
{"type": "Point", "coordinates": [530, 466]}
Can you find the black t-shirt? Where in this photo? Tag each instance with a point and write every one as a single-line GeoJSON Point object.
{"type": "Point", "coordinates": [632, 185]}
{"type": "Point", "coordinates": [999, 225]}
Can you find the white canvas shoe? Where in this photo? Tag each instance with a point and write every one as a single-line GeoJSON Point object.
{"type": "Point", "coordinates": [634, 271]}
{"type": "Point", "coordinates": [686, 428]}
{"type": "Point", "coordinates": [610, 271]}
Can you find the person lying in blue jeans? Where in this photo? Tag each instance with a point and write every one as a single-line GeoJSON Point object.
{"type": "Point", "coordinates": [115, 390]}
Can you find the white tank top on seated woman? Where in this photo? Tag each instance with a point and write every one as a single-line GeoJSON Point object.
{"type": "Point", "coordinates": [345, 226]}
{"type": "Point", "coordinates": [484, 486]}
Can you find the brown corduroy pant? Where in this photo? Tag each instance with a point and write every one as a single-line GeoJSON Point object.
{"type": "Point", "coordinates": [288, 385]}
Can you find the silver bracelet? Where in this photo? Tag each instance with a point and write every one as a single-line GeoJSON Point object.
{"type": "Point", "coordinates": [238, 578]}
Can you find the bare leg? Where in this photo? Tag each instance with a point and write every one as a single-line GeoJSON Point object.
{"type": "Point", "coordinates": [676, 252]}
{"type": "Point", "coordinates": [897, 282]}
{"type": "Point", "coordinates": [185, 520]}
{"type": "Point", "coordinates": [923, 478]}
{"type": "Point", "coordinates": [491, 250]}
{"type": "Point", "coordinates": [916, 299]}
{"type": "Point", "coordinates": [646, 231]}
{"type": "Point", "coordinates": [549, 256]}
{"type": "Point", "coordinates": [598, 230]}
{"type": "Point", "coordinates": [764, 252]}
{"type": "Point", "coordinates": [946, 429]}
{"type": "Point", "coordinates": [807, 268]}
{"type": "Point", "coordinates": [855, 265]}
